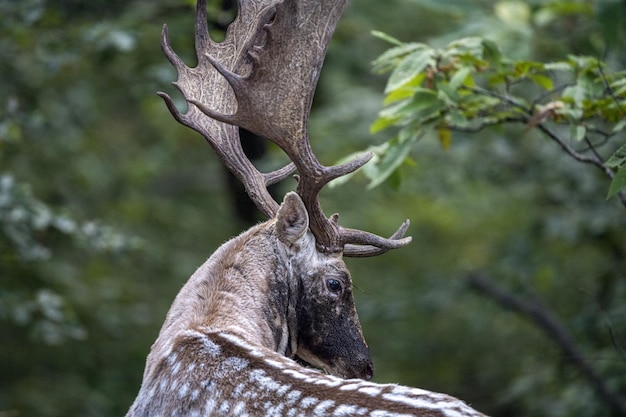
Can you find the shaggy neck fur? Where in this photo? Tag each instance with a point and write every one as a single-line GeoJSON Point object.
{"type": "Point", "coordinates": [246, 288]}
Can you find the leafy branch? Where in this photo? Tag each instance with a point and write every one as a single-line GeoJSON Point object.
{"type": "Point", "coordinates": [468, 86]}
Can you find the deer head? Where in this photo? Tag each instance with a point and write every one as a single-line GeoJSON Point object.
{"type": "Point", "coordinates": [325, 328]}
{"type": "Point", "coordinates": [262, 77]}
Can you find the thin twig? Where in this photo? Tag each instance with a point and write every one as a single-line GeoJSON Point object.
{"type": "Point", "coordinates": [592, 148]}
{"type": "Point", "coordinates": [503, 97]}
{"type": "Point", "coordinates": [610, 90]}
{"type": "Point", "coordinates": [481, 126]}
{"type": "Point", "coordinates": [582, 158]}
{"type": "Point", "coordinates": [549, 93]}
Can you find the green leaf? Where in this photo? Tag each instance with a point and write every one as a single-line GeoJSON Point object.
{"type": "Point", "coordinates": [491, 53]}
{"type": "Point", "coordinates": [579, 132]}
{"type": "Point", "coordinates": [388, 60]}
{"type": "Point", "coordinates": [459, 78]}
{"type": "Point", "coordinates": [456, 119]}
{"type": "Point", "coordinates": [471, 45]}
{"type": "Point", "coordinates": [619, 126]}
{"type": "Point", "coordinates": [445, 137]}
{"type": "Point", "coordinates": [409, 68]}
{"type": "Point", "coordinates": [523, 68]}
{"type": "Point", "coordinates": [386, 38]}
{"type": "Point", "coordinates": [558, 66]}
{"type": "Point", "coordinates": [391, 157]}
{"type": "Point", "coordinates": [618, 183]}
{"type": "Point", "coordinates": [425, 105]}
{"type": "Point", "coordinates": [575, 93]}
{"type": "Point", "coordinates": [542, 81]}
{"type": "Point", "coordinates": [405, 91]}
{"type": "Point", "coordinates": [618, 159]}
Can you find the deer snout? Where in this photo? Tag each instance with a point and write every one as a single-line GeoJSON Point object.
{"type": "Point", "coordinates": [368, 372]}
{"type": "Point", "coordinates": [362, 368]}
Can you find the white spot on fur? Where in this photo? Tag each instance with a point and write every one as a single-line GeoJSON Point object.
{"type": "Point", "coordinates": [351, 387]}
{"type": "Point", "coordinates": [174, 385]}
{"type": "Point", "coordinates": [296, 374]}
{"type": "Point", "coordinates": [308, 402]}
{"type": "Point", "coordinates": [239, 391]}
{"type": "Point", "coordinates": [224, 407]}
{"type": "Point", "coordinates": [314, 378]}
{"type": "Point", "coordinates": [210, 347]}
{"type": "Point", "coordinates": [275, 364]}
{"type": "Point", "coordinates": [239, 409]}
{"type": "Point", "coordinates": [293, 396]}
{"type": "Point", "coordinates": [345, 410]}
{"type": "Point", "coordinates": [384, 413]}
{"type": "Point", "coordinates": [175, 368]}
{"type": "Point", "coordinates": [272, 410]}
{"type": "Point", "coordinates": [283, 390]}
{"type": "Point", "coordinates": [258, 377]}
{"type": "Point", "coordinates": [195, 394]}
{"type": "Point", "coordinates": [326, 381]}
{"type": "Point", "coordinates": [432, 402]}
{"type": "Point", "coordinates": [237, 364]}
{"type": "Point", "coordinates": [237, 341]}
{"type": "Point", "coordinates": [371, 390]}
{"type": "Point", "coordinates": [402, 390]}
{"type": "Point", "coordinates": [320, 409]}
{"type": "Point", "coordinates": [184, 389]}
{"type": "Point", "coordinates": [207, 384]}
{"type": "Point", "coordinates": [209, 406]}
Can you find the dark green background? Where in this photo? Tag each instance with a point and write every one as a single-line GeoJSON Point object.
{"type": "Point", "coordinates": [107, 205]}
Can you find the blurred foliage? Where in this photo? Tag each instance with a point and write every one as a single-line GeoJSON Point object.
{"type": "Point", "coordinates": [107, 205]}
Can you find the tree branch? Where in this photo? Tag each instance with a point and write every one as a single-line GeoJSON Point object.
{"type": "Point", "coordinates": [543, 317]}
{"type": "Point", "coordinates": [597, 162]}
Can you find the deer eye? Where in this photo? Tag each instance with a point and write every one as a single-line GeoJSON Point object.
{"type": "Point", "coordinates": [333, 285]}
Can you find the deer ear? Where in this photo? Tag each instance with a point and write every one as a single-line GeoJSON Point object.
{"type": "Point", "coordinates": [292, 220]}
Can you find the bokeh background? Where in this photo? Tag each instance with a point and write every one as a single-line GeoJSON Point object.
{"type": "Point", "coordinates": [107, 206]}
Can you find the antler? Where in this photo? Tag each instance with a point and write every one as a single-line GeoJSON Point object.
{"type": "Point", "coordinates": [262, 78]}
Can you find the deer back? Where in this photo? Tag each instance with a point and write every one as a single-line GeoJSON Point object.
{"type": "Point", "coordinates": [213, 373]}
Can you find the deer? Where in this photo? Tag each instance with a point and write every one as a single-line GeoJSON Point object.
{"type": "Point", "coordinates": [267, 326]}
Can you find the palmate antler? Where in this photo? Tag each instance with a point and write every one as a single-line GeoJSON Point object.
{"type": "Point", "coordinates": [262, 77]}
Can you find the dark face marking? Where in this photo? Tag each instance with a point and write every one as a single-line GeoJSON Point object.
{"type": "Point", "coordinates": [329, 332]}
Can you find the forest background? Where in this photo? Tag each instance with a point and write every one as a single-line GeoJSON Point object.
{"type": "Point", "coordinates": [512, 295]}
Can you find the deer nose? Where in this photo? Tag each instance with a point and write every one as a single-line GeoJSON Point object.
{"type": "Point", "coordinates": [368, 372]}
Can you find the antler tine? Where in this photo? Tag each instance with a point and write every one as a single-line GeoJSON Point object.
{"type": "Point", "coordinates": [202, 36]}
{"type": "Point", "coordinates": [224, 138]}
{"type": "Point", "coordinates": [232, 155]}
{"type": "Point", "coordinates": [364, 244]}
{"type": "Point", "coordinates": [330, 236]}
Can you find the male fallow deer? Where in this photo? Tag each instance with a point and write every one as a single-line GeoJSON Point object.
{"type": "Point", "coordinates": [281, 289]}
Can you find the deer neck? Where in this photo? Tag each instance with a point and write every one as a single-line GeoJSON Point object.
{"type": "Point", "coordinates": [246, 288]}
